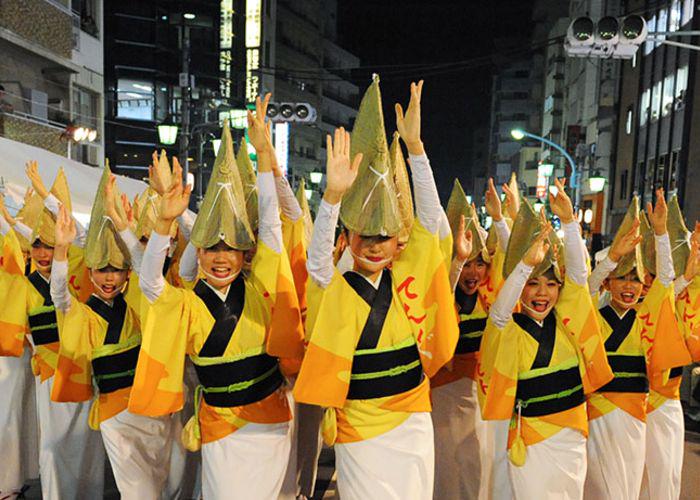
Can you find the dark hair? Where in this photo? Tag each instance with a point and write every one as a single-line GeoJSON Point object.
{"type": "Point", "coordinates": [2, 88]}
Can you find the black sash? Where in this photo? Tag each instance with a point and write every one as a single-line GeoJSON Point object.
{"type": "Point", "coordinates": [634, 370]}
{"type": "Point", "coordinates": [41, 286]}
{"type": "Point", "coordinates": [466, 303]}
{"type": "Point", "coordinates": [545, 336]}
{"type": "Point", "coordinates": [379, 301]}
{"type": "Point", "coordinates": [43, 325]}
{"type": "Point", "coordinates": [676, 372]}
{"type": "Point", "coordinates": [116, 371]}
{"type": "Point", "coordinates": [225, 314]}
{"type": "Point", "coordinates": [621, 327]}
{"type": "Point", "coordinates": [557, 391]}
{"type": "Point", "coordinates": [114, 316]}
{"type": "Point", "coordinates": [467, 344]}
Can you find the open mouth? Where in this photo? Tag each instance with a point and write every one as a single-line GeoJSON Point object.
{"type": "Point", "coordinates": [373, 258]}
{"type": "Point", "coordinates": [471, 283]}
{"type": "Point", "coordinates": [540, 305]}
{"type": "Point", "coordinates": [108, 289]}
{"type": "Point", "coordinates": [43, 263]}
{"type": "Point", "coordinates": [627, 297]}
{"type": "Point", "coordinates": [221, 272]}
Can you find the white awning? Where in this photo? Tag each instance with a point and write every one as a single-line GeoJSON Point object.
{"type": "Point", "coordinates": [82, 179]}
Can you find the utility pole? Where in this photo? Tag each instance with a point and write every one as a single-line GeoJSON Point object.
{"type": "Point", "coordinates": [185, 92]}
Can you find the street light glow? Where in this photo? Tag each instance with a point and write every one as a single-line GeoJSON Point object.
{"type": "Point", "coordinates": [596, 182]}
{"type": "Point", "coordinates": [517, 134]}
{"type": "Point", "coordinates": [189, 15]}
{"type": "Point", "coordinates": [316, 177]}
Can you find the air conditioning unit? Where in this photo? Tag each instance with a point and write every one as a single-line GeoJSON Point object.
{"type": "Point", "coordinates": [36, 103]}
{"type": "Point", "coordinates": [93, 155]}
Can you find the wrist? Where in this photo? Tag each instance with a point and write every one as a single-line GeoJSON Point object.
{"type": "Point", "coordinates": [614, 256]}
{"type": "Point", "coordinates": [497, 217]}
{"type": "Point", "coordinates": [60, 253]}
{"type": "Point", "coordinates": [415, 147]}
{"type": "Point", "coordinates": [687, 278]}
{"type": "Point", "coordinates": [162, 226]}
{"type": "Point", "coordinates": [332, 196]}
{"type": "Point", "coordinates": [568, 219]}
{"type": "Point", "coordinates": [660, 231]}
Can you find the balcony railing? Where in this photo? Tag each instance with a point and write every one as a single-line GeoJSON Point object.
{"type": "Point", "coordinates": [28, 130]}
{"type": "Point", "coordinates": [42, 22]}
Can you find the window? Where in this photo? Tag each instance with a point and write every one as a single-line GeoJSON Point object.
{"type": "Point", "coordinates": [651, 26]}
{"type": "Point", "coordinates": [655, 101]}
{"type": "Point", "coordinates": [135, 99]}
{"type": "Point", "coordinates": [674, 19]}
{"type": "Point", "coordinates": [668, 94]}
{"type": "Point", "coordinates": [681, 85]}
{"type": "Point", "coordinates": [687, 14]}
{"type": "Point", "coordinates": [644, 108]}
{"type": "Point", "coordinates": [623, 185]}
{"type": "Point", "coordinates": [85, 107]}
{"type": "Point", "coordinates": [89, 17]}
{"type": "Point", "coordinates": [628, 122]}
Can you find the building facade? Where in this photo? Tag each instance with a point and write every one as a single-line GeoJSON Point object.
{"type": "Point", "coordinates": [52, 74]}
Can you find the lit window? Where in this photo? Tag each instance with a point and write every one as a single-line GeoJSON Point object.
{"type": "Point", "coordinates": [135, 99]}
{"type": "Point", "coordinates": [688, 8]}
{"type": "Point", "coordinates": [668, 93]}
{"type": "Point", "coordinates": [644, 108]}
{"type": "Point", "coordinates": [651, 26]}
{"type": "Point", "coordinates": [655, 101]}
{"type": "Point", "coordinates": [674, 19]}
{"type": "Point", "coordinates": [628, 123]}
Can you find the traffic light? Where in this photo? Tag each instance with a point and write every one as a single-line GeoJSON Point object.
{"type": "Point", "coordinates": [297, 112]}
{"type": "Point", "coordinates": [610, 37]}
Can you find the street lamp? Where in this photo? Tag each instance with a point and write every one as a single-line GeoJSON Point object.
{"type": "Point", "coordinates": [596, 182]}
{"type": "Point", "coordinates": [167, 132]}
{"type": "Point", "coordinates": [316, 177]}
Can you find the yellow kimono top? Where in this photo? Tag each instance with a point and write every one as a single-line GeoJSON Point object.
{"type": "Point", "coordinates": [99, 342]}
{"type": "Point", "coordinates": [294, 240]}
{"type": "Point", "coordinates": [473, 313]}
{"type": "Point", "coordinates": [523, 373]}
{"type": "Point", "coordinates": [418, 314]}
{"type": "Point", "coordinates": [28, 310]}
{"type": "Point", "coordinates": [180, 323]}
{"type": "Point", "coordinates": [640, 346]}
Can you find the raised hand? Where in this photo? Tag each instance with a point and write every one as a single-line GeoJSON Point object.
{"type": "Point", "coordinates": [257, 129]}
{"type": "Point", "coordinates": [626, 244]}
{"type": "Point", "coordinates": [340, 172]}
{"type": "Point", "coordinates": [463, 241]}
{"type": "Point", "coordinates": [65, 228]}
{"type": "Point", "coordinates": [128, 210]}
{"type": "Point", "coordinates": [408, 125]}
{"type": "Point", "coordinates": [513, 202]}
{"type": "Point", "coordinates": [119, 222]}
{"type": "Point", "coordinates": [5, 213]}
{"type": "Point", "coordinates": [658, 214]}
{"type": "Point", "coordinates": [493, 202]}
{"type": "Point", "coordinates": [560, 204]}
{"type": "Point", "coordinates": [175, 201]}
{"type": "Point", "coordinates": [159, 184]}
{"type": "Point", "coordinates": [32, 170]}
{"type": "Point", "coordinates": [28, 195]}
{"type": "Point", "coordinates": [538, 250]}
{"type": "Point", "coordinates": [692, 266]}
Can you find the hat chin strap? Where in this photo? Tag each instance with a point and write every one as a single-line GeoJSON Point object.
{"type": "Point", "coordinates": [217, 280]}
{"type": "Point", "coordinates": [121, 290]}
{"type": "Point", "coordinates": [383, 262]}
{"type": "Point", "coordinates": [537, 313]}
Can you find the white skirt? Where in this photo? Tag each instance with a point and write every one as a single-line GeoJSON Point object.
{"type": "Point", "coordinates": [616, 452]}
{"type": "Point", "coordinates": [495, 478]}
{"type": "Point", "coordinates": [460, 435]}
{"type": "Point", "coordinates": [19, 436]}
{"type": "Point", "coordinates": [396, 465]}
{"type": "Point", "coordinates": [554, 469]}
{"type": "Point", "coordinates": [71, 455]}
{"type": "Point", "coordinates": [138, 448]}
{"type": "Point", "coordinates": [664, 453]}
{"type": "Point", "coordinates": [248, 464]}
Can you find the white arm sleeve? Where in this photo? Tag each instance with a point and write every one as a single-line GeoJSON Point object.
{"type": "Point", "coordinates": [320, 254]}
{"type": "Point", "coordinates": [598, 275]}
{"type": "Point", "coordinates": [575, 257]}
{"type": "Point", "coordinates": [185, 222]}
{"type": "Point", "coordinates": [4, 226]}
{"type": "Point", "coordinates": [151, 278]}
{"type": "Point", "coordinates": [58, 285]}
{"type": "Point", "coordinates": [664, 260]}
{"type": "Point", "coordinates": [270, 225]}
{"type": "Point", "coordinates": [188, 263]}
{"type": "Point", "coordinates": [503, 233]}
{"type": "Point", "coordinates": [502, 310]}
{"type": "Point", "coordinates": [679, 285]}
{"type": "Point", "coordinates": [53, 204]}
{"type": "Point", "coordinates": [288, 202]}
{"type": "Point", "coordinates": [455, 271]}
{"type": "Point", "coordinates": [134, 247]}
{"type": "Point", "coordinates": [428, 208]}
{"type": "Point", "coordinates": [24, 230]}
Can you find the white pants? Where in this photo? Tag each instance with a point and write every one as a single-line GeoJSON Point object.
{"type": "Point", "coordinates": [396, 465]}
{"type": "Point", "coordinates": [616, 452]}
{"type": "Point", "coordinates": [554, 469]}
{"type": "Point", "coordinates": [248, 464]}
{"type": "Point", "coordinates": [138, 448]}
{"type": "Point", "coordinates": [495, 478]}
{"type": "Point", "coordinates": [664, 454]}
{"type": "Point", "coordinates": [19, 436]}
{"type": "Point", "coordinates": [71, 455]}
{"type": "Point", "coordinates": [460, 446]}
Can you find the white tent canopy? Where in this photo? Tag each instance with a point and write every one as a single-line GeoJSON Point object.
{"type": "Point", "coordinates": [82, 179]}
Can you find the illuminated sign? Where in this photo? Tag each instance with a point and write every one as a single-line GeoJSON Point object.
{"type": "Point", "coordinates": [282, 145]}
{"type": "Point", "coordinates": [253, 32]}
{"type": "Point", "coordinates": [541, 186]}
{"type": "Point", "coordinates": [226, 45]}
{"type": "Point", "coordinates": [238, 118]}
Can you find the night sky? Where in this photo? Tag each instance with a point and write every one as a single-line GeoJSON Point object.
{"type": "Point", "coordinates": [412, 32]}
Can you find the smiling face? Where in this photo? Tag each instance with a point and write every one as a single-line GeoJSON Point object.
{"type": "Point", "coordinates": [540, 295]}
{"type": "Point", "coordinates": [625, 291]}
{"type": "Point", "coordinates": [372, 253]}
{"type": "Point", "coordinates": [473, 274]}
{"type": "Point", "coordinates": [42, 255]}
{"type": "Point", "coordinates": [220, 263]}
{"type": "Point", "coordinates": [109, 281]}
